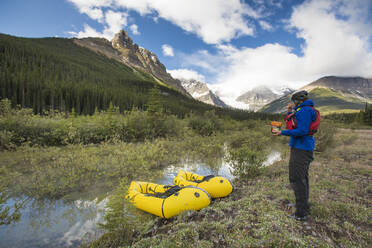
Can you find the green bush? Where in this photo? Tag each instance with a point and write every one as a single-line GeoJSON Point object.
{"type": "Point", "coordinates": [205, 125]}
{"type": "Point", "coordinates": [6, 140]}
{"type": "Point", "coordinates": [255, 140]}
{"type": "Point", "coordinates": [248, 150]}
{"type": "Point", "coordinates": [56, 129]}
{"type": "Point", "coordinates": [141, 125]}
{"type": "Point", "coordinates": [246, 163]}
{"type": "Point", "coordinates": [325, 136]}
{"type": "Point", "coordinates": [5, 107]}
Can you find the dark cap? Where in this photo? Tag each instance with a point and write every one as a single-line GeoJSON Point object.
{"type": "Point", "coordinates": [300, 96]}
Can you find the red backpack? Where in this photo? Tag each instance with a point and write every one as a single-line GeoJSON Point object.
{"type": "Point", "coordinates": [291, 122]}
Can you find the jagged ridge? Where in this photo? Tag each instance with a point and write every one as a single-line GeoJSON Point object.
{"type": "Point", "coordinates": [122, 49]}
{"type": "Point", "coordinates": [200, 91]}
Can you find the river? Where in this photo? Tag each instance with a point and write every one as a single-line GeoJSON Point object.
{"type": "Point", "coordinates": [68, 223]}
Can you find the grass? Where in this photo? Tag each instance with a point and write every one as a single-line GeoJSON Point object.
{"type": "Point", "coordinates": [326, 111]}
{"type": "Point", "coordinates": [55, 172]}
{"type": "Point", "coordinates": [255, 214]}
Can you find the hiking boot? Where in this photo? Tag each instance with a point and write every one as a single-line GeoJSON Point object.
{"type": "Point", "coordinates": [297, 217]}
{"type": "Point", "coordinates": [291, 205]}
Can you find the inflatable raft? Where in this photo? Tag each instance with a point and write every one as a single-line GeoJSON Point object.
{"type": "Point", "coordinates": [216, 186]}
{"type": "Point", "coordinates": [167, 201]}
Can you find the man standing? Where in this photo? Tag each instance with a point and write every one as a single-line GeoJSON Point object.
{"type": "Point", "coordinates": [302, 146]}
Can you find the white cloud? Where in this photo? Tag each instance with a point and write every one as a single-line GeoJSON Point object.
{"type": "Point", "coordinates": [113, 23]}
{"type": "Point", "coordinates": [214, 21]}
{"type": "Point", "coordinates": [203, 59]}
{"type": "Point", "coordinates": [134, 29]}
{"type": "Point", "coordinates": [167, 50]}
{"type": "Point", "coordinates": [91, 8]}
{"type": "Point", "coordinates": [333, 45]}
{"type": "Point", "coordinates": [246, 68]}
{"type": "Point", "coordinates": [87, 32]}
{"type": "Point", "coordinates": [265, 25]}
{"type": "Point", "coordinates": [186, 74]}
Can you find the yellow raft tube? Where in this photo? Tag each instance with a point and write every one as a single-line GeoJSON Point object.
{"type": "Point", "coordinates": [216, 186]}
{"type": "Point", "coordinates": [167, 201]}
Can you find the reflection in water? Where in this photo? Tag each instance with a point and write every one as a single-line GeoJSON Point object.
{"type": "Point", "coordinates": [85, 228]}
{"type": "Point", "coordinates": [220, 167]}
{"type": "Point", "coordinates": [60, 223]}
{"type": "Point", "coordinates": [54, 224]}
{"type": "Point", "coordinates": [273, 157]}
{"type": "Point", "coordinates": [199, 168]}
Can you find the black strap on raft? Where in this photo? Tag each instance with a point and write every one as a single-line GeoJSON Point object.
{"type": "Point", "coordinates": [206, 178]}
{"type": "Point", "coordinates": [170, 191]}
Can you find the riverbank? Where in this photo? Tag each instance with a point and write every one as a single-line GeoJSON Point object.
{"type": "Point", "coordinates": [49, 183]}
{"type": "Point", "coordinates": [255, 214]}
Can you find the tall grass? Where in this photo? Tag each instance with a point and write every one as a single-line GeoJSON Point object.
{"type": "Point", "coordinates": [20, 126]}
{"type": "Point", "coordinates": [325, 136]}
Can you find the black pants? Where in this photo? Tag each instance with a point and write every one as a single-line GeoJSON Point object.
{"type": "Point", "coordinates": [299, 163]}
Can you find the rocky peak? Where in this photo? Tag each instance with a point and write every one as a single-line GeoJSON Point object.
{"type": "Point", "coordinates": [125, 51]}
{"type": "Point", "coordinates": [342, 83]}
{"type": "Point", "coordinates": [194, 85]}
{"type": "Point", "coordinates": [200, 91]}
{"type": "Point", "coordinates": [150, 56]}
{"type": "Point", "coordinates": [122, 40]}
{"type": "Point", "coordinates": [348, 86]}
{"type": "Point", "coordinates": [124, 43]}
{"type": "Point", "coordinates": [260, 96]}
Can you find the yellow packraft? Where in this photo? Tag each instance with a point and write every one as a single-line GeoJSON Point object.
{"type": "Point", "coordinates": [167, 201]}
{"type": "Point", "coordinates": [216, 186]}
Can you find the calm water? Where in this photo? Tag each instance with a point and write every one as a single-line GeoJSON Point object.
{"type": "Point", "coordinates": [54, 224]}
{"type": "Point", "coordinates": [69, 223]}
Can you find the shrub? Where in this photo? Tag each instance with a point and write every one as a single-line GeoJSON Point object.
{"type": "Point", "coordinates": [22, 126]}
{"type": "Point", "coordinates": [253, 139]}
{"type": "Point", "coordinates": [205, 125]}
{"type": "Point", "coordinates": [6, 140]}
{"type": "Point", "coordinates": [246, 163]}
{"type": "Point", "coordinates": [325, 136]}
{"type": "Point", "coordinates": [5, 107]}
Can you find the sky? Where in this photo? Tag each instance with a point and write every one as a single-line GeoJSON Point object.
{"type": "Point", "coordinates": [232, 45]}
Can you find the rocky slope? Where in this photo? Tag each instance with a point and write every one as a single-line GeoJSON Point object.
{"type": "Point", "coordinates": [262, 95]}
{"type": "Point", "coordinates": [331, 94]}
{"type": "Point", "coordinates": [122, 49]}
{"type": "Point", "coordinates": [357, 87]}
{"type": "Point", "coordinates": [200, 91]}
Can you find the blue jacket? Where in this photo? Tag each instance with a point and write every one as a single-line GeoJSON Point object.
{"type": "Point", "coordinates": [298, 137]}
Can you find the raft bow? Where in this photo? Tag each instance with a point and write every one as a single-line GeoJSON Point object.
{"type": "Point", "coordinates": [166, 201]}
{"type": "Point", "coordinates": [216, 186]}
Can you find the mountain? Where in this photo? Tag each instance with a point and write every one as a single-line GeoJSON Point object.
{"type": "Point", "coordinates": [331, 94]}
{"type": "Point", "coordinates": [139, 59]}
{"type": "Point", "coordinates": [200, 91]}
{"type": "Point", "coordinates": [262, 95]}
{"type": "Point", "coordinates": [354, 87]}
{"type": "Point", "coordinates": [57, 74]}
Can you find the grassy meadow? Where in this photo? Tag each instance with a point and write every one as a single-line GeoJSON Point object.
{"type": "Point", "coordinates": [58, 155]}
{"type": "Point", "coordinates": [255, 214]}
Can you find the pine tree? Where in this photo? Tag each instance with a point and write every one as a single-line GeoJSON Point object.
{"type": "Point", "coordinates": [155, 103]}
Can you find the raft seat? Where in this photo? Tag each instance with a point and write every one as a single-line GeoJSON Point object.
{"type": "Point", "coordinates": [216, 186]}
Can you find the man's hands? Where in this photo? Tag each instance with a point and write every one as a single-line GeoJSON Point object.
{"type": "Point", "coordinates": [277, 133]}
